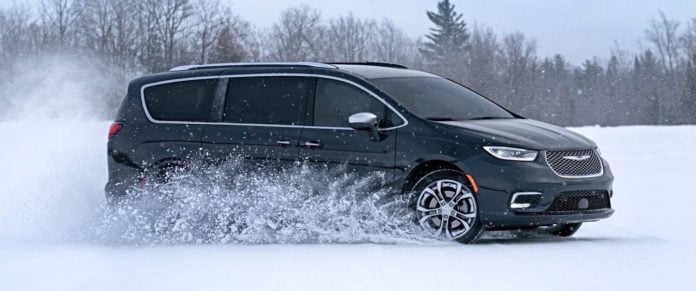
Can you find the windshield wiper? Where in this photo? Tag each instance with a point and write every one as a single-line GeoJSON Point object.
{"type": "Point", "coordinates": [440, 118]}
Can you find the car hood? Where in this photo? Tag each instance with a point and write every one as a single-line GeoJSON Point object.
{"type": "Point", "coordinates": [526, 133]}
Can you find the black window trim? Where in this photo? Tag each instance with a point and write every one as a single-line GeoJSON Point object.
{"type": "Point", "coordinates": [223, 77]}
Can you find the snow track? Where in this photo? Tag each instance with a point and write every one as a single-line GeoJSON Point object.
{"type": "Point", "coordinates": [56, 235]}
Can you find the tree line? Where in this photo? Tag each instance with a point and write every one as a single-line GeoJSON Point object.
{"type": "Point", "coordinates": [654, 85]}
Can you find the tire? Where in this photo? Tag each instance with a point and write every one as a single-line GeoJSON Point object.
{"type": "Point", "coordinates": [446, 207]}
{"type": "Point", "coordinates": [562, 230]}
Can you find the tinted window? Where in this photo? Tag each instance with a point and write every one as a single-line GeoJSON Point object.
{"type": "Point", "coordinates": [335, 101]}
{"type": "Point", "coordinates": [181, 101]}
{"type": "Point", "coordinates": [266, 100]}
{"type": "Point", "coordinates": [439, 99]}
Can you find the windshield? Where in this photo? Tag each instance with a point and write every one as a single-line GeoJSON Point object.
{"type": "Point", "coordinates": [439, 99]}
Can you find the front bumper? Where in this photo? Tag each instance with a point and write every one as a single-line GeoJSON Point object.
{"type": "Point", "coordinates": [494, 210]}
{"type": "Point", "coordinates": [498, 180]}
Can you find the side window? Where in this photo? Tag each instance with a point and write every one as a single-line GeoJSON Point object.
{"type": "Point", "coordinates": [266, 100]}
{"type": "Point", "coordinates": [181, 101]}
{"type": "Point", "coordinates": [335, 101]}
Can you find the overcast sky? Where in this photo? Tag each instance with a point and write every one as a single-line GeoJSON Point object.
{"type": "Point", "coordinates": [578, 29]}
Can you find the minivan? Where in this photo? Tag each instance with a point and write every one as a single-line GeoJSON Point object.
{"type": "Point", "coordinates": [468, 163]}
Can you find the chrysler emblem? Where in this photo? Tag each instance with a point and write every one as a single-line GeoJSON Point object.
{"type": "Point", "coordinates": [577, 158]}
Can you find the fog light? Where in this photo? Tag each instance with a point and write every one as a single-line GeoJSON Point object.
{"type": "Point", "coordinates": [522, 200]}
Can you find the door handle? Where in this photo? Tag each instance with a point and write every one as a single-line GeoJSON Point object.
{"type": "Point", "coordinates": [284, 142]}
{"type": "Point", "coordinates": [312, 144]}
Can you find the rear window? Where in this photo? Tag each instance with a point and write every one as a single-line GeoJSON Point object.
{"type": "Point", "coordinates": [266, 100]}
{"type": "Point", "coordinates": [181, 101]}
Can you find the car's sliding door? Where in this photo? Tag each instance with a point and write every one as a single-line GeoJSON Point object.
{"type": "Point", "coordinates": [262, 118]}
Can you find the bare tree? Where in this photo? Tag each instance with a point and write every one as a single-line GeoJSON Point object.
{"type": "Point", "coordinates": [391, 44]}
{"type": "Point", "coordinates": [128, 37]}
{"type": "Point", "coordinates": [663, 34]}
{"type": "Point", "coordinates": [209, 24]}
{"type": "Point", "coordinates": [98, 25]}
{"type": "Point", "coordinates": [109, 29]}
{"type": "Point", "coordinates": [149, 42]}
{"type": "Point", "coordinates": [15, 35]}
{"type": "Point", "coordinates": [255, 44]}
{"type": "Point", "coordinates": [296, 35]}
{"type": "Point", "coordinates": [517, 62]}
{"type": "Point", "coordinates": [125, 38]}
{"type": "Point", "coordinates": [232, 41]}
{"type": "Point", "coordinates": [59, 18]}
{"type": "Point", "coordinates": [481, 60]}
{"type": "Point", "coordinates": [689, 40]}
{"type": "Point", "coordinates": [169, 18]}
{"type": "Point", "coordinates": [349, 38]}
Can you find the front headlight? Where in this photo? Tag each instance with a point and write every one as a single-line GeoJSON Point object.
{"type": "Point", "coordinates": [512, 154]}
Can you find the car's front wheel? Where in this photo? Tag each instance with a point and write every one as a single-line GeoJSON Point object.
{"type": "Point", "coordinates": [446, 206]}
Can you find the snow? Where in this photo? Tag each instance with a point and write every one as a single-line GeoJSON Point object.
{"type": "Point", "coordinates": [52, 174]}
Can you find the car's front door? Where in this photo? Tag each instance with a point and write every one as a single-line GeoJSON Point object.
{"type": "Point", "coordinates": [328, 137]}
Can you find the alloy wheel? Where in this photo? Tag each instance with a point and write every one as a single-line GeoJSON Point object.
{"type": "Point", "coordinates": [446, 208]}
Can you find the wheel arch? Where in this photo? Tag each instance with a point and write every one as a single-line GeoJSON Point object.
{"type": "Point", "coordinates": [424, 166]}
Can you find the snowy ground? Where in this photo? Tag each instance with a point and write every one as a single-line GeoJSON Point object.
{"type": "Point", "coordinates": [52, 174]}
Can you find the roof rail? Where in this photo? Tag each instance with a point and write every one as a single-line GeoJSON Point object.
{"type": "Point", "coordinates": [259, 64]}
{"type": "Point", "coordinates": [377, 64]}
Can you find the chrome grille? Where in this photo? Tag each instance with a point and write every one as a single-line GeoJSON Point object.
{"type": "Point", "coordinates": [575, 164]}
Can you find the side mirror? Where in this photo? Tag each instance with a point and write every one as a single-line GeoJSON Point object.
{"type": "Point", "coordinates": [363, 121]}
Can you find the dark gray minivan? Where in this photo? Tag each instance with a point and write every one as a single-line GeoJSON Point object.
{"type": "Point", "coordinates": [469, 163]}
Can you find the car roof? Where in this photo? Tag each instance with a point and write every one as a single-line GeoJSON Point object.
{"type": "Point", "coordinates": [369, 71]}
{"type": "Point", "coordinates": [361, 70]}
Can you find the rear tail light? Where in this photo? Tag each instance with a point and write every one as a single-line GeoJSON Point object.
{"type": "Point", "coordinates": [114, 128]}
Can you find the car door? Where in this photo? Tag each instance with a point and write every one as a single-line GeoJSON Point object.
{"type": "Point", "coordinates": [328, 137]}
{"type": "Point", "coordinates": [261, 119]}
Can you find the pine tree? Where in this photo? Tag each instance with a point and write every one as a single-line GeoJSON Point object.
{"type": "Point", "coordinates": [447, 42]}
{"type": "Point", "coordinates": [612, 77]}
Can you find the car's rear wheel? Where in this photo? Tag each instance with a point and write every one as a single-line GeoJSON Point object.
{"type": "Point", "coordinates": [562, 230]}
{"type": "Point", "coordinates": [446, 207]}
